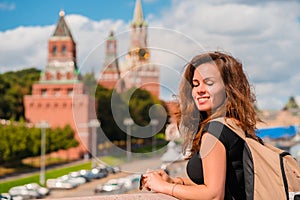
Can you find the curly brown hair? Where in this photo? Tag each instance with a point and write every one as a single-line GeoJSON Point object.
{"type": "Point", "coordinates": [239, 100]}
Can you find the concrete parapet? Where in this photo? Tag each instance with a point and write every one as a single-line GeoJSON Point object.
{"type": "Point", "coordinates": [137, 196]}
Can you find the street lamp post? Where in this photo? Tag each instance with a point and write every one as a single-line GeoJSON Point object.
{"type": "Point", "coordinates": [43, 125]}
{"type": "Point", "coordinates": [94, 124]}
{"type": "Point", "coordinates": [154, 123]}
{"type": "Point", "coordinates": [128, 122]}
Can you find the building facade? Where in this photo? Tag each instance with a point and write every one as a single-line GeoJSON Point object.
{"type": "Point", "coordinates": [60, 97]}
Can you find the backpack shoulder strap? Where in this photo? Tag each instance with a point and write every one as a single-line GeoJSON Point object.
{"type": "Point", "coordinates": [247, 156]}
{"type": "Point", "coordinates": [232, 125]}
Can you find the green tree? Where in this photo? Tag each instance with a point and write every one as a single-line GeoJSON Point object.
{"type": "Point", "coordinates": [138, 103]}
{"type": "Point", "coordinates": [13, 87]}
{"type": "Point", "coordinates": [105, 115]}
{"type": "Point", "coordinates": [61, 138]}
{"type": "Point", "coordinates": [19, 141]}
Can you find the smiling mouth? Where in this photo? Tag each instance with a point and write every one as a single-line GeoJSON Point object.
{"type": "Point", "coordinates": [201, 100]}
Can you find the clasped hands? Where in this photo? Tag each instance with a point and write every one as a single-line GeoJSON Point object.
{"type": "Point", "coordinates": [155, 180]}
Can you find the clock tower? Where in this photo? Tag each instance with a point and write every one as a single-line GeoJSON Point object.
{"type": "Point", "coordinates": [138, 34]}
{"type": "Point", "coordinates": [140, 72]}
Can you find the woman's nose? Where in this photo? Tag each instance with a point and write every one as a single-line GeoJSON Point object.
{"type": "Point", "coordinates": [201, 88]}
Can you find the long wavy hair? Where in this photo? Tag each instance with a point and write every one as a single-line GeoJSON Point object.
{"type": "Point", "coordinates": [239, 100]}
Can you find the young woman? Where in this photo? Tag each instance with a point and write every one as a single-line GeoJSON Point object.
{"type": "Point", "coordinates": [214, 85]}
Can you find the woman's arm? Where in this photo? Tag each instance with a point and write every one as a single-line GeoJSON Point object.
{"type": "Point", "coordinates": [183, 181]}
{"type": "Point", "coordinates": [214, 170]}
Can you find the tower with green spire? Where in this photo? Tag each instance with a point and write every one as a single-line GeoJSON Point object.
{"type": "Point", "coordinates": [60, 97]}
{"type": "Point", "coordinates": [138, 70]}
{"type": "Point", "coordinates": [110, 73]}
{"type": "Point", "coordinates": [138, 34]}
{"type": "Point", "coordinates": [61, 65]}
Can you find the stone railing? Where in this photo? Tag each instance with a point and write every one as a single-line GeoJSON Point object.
{"type": "Point", "coordinates": [137, 196]}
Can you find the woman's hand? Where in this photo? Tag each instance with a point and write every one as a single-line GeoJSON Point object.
{"type": "Point", "coordinates": [165, 176]}
{"type": "Point", "coordinates": [156, 180]}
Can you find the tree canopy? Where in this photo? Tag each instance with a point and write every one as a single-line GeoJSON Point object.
{"type": "Point", "coordinates": [19, 141]}
{"type": "Point", "coordinates": [13, 87]}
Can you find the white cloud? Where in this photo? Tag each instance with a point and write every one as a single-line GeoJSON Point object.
{"type": "Point", "coordinates": [90, 37]}
{"type": "Point", "coordinates": [24, 47]}
{"type": "Point", "coordinates": [265, 36]}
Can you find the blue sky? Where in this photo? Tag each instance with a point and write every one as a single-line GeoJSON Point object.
{"type": "Point", "coordinates": [14, 13]}
{"type": "Point", "coordinates": [264, 35]}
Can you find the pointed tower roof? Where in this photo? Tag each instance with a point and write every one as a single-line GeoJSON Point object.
{"type": "Point", "coordinates": [138, 14]}
{"type": "Point", "coordinates": [111, 60]}
{"type": "Point", "coordinates": [62, 29]}
{"type": "Point", "coordinates": [61, 65]}
{"type": "Point", "coordinates": [291, 104]}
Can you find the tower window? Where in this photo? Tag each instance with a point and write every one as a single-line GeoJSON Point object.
{"type": "Point", "coordinates": [70, 92]}
{"type": "Point", "coordinates": [56, 92]}
{"type": "Point", "coordinates": [69, 75]}
{"type": "Point", "coordinates": [64, 49]}
{"type": "Point", "coordinates": [54, 50]}
{"type": "Point", "coordinates": [48, 76]}
{"type": "Point", "coordinates": [58, 76]}
{"type": "Point", "coordinates": [44, 92]}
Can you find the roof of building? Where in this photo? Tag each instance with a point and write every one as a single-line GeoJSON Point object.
{"type": "Point", "coordinates": [62, 29]}
{"type": "Point", "coordinates": [138, 18]}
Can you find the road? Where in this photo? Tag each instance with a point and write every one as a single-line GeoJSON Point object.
{"type": "Point", "coordinates": [137, 166]}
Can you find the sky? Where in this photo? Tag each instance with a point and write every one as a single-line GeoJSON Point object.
{"type": "Point", "coordinates": [263, 35]}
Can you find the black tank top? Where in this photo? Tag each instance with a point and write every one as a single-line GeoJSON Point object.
{"type": "Point", "coordinates": [234, 145]}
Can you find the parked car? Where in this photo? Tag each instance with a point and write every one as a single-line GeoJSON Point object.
{"type": "Point", "coordinates": [127, 182]}
{"type": "Point", "coordinates": [135, 180]}
{"type": "Point", "coordinates": [99, 172]}
{"type": "Point", "coordinates": [59, 184]}
{"type": "Point", "coordinates": [36, 187]}
{"type": "Point", "coordinates": [5, 196]}
{"type": "Point", "coordinates": [86, 174]}
{"type": "Point", "coordinates": [113, 169]}
{"type": "Point", "coordinates": [28, 191]}
{"type": "Point", "coordinates": [73, 180]}
{"type": "Point", "coordinates": [113, 186]}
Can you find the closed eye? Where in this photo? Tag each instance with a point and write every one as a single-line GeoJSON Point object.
{"type": "Point", "coordinates": [209, 82]}
{"type": "Point", "coordinates": [195, 83]}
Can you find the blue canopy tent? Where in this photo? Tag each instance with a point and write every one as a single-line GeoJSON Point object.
{"type": "Point", "coordinates": [277, 132]}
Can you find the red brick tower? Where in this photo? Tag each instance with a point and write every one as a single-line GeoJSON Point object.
{"type": "Point", "coordinates": [138, 71]}
{"type": "Point", "coordinates": [60, 97]}
{"type": "Point", "coordinates": [110, 74]}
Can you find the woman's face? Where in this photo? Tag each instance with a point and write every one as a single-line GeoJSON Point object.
{"type": "Point", "coordinates": [208, 88]}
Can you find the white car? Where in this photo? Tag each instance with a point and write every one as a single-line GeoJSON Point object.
{"type": "Point", "coordinates": [73, 180]}
{"type": "Point", "coordinates": [23, 192]}
{"type": "Point", "coordinates": [41, 190]}
{"type": "Point", "coordinates": [59, 184]}
{"type": "Point", "coordinates": [113, 186]}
